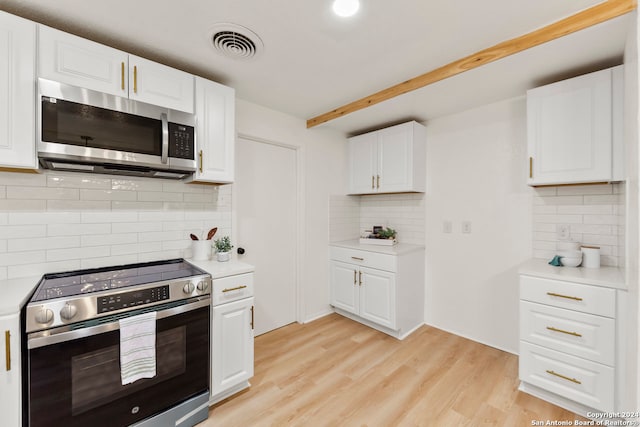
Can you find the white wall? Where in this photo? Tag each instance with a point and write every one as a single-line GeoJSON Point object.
{"type": "Point", "coordinates": [476, 172]}
{"type": "Point", "coordinates": [323, 173]}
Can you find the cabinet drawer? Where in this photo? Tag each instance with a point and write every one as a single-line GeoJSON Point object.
{"type": "Point", "coordinates": [232, 288]}
{"type": "Point", "coordinates": [586, 382]}
{"type": "Point", "coordinates": [579, 334]}
{"type": "Point", "coordinates": [364, 258]}
{"type": "Point", "coordinates": [572, 296]}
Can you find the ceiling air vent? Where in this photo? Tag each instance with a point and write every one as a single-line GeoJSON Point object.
{"type": "Point", "coordinates": [236, 41]}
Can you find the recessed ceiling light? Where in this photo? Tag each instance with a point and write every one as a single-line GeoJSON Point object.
{"type": "Point", "coordinates": [346, 8]}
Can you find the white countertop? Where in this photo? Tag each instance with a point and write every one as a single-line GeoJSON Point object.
{"type": "Point", "coordinates": [223, 269]}
{"type": "Point", "coordinates": [15, 293]}
{"type": "Point", "coordinates": [610, 277]}
{"type": "Point", "coordinates": [397, 249]}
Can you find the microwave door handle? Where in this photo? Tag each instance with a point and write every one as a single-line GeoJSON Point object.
{"type": "Point", "coordinates": [165, 138]}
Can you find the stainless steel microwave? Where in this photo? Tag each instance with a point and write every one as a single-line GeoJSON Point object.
{"type": "Point", "coordinates": [84, 130]}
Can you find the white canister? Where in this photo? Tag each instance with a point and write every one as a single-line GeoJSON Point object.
{"type": "Point", "coordinates": [590, 256]}
{"type": "Point", "coordinates": [200, 250]}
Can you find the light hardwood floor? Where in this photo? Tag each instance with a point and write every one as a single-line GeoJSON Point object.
{"type": "Point", "coordinates": [336, 372]}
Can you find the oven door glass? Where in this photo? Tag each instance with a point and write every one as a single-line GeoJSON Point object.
{"type": "Point", "coordinates": [77, 382]}
{"type": "Point", "coordinates": [83, 125]}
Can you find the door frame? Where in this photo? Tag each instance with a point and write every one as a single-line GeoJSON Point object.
{"type": "Point", "coordinates": [300, 217]}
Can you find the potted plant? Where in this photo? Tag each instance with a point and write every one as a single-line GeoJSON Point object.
{"type": "Point", "coordinates": [223, 248]}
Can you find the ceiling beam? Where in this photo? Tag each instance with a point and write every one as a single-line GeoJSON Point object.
{"type": "Point", "coordinates": [595, 15]}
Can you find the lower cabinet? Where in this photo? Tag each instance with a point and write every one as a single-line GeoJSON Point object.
{"type": "Point", "coordinates": [231, 335]}
{"type": "Point", "coordinates": [568, 340]}
{"type": "Point", "coordinates": [10, 376]}
{"type": "Point", "coordinates": [384, 290]}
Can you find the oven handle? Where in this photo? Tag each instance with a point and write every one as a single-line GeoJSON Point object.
{"type": "Point", "coordinates": [62, 334]}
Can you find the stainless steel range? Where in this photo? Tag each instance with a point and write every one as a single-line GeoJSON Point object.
{"type": "Point", "coordinates": [74, 366]}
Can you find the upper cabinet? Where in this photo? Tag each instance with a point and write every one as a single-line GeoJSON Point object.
{"type": "Point", "coordinates": [17, 109]}
{"type": "Point", "coordinates": [79, 62]}
{"type": "Point", "coordinates": [215, 132]}
{"type": "Point", "coordinates": [574, 130]}
{"type": "Point", "coordinates": [390, 160]}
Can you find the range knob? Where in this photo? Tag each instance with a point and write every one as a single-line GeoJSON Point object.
{"type": "Point", "coordinates": [203, 285]}
{"type": "Point", "coordinates": [188, 288]}
{"type": "Point", "coordinates": [44, 316]}
{"type": "Point", "coordinates": [68, 312]}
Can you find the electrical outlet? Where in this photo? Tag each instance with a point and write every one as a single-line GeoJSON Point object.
{"type": "Point", "coordinates": [447, 226]}
{"type": "Point", "coordinates": [564, 232]}
{"type": "Point", "coordinates": [466, 227]}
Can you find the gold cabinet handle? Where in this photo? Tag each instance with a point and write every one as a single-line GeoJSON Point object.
{"type": "Point", "coordinates": [357, 258]}
{"type": "Point", "coordinates": [234, 289]}
{"type": "Point", "coordinates": [252, 310]}
{"type": "Point", "coordinates": [135, 79]}
{"type": "Point", "coordinates": [200, 161]}
{"type": "Point", "coordinates": [378, 181]}
{"type": "Point", "coordinates": [7, 341]}
{"type": "Point", "coordinates": [530, 167]}
{"type": "Point", "coordinates": [573, 380]}
{"type": "Point", "coordinates": [122, 75]}
{"type": "Point", "coordinates": [373, 182]}
{"type": "Point", "coordinates": [575, 334]}
{"type": "Point", "coordinates": [552, 294]}
{"type": "Point", "coordinates": [355, 277]}
{"type": "Point", "coordinates": [360, 278]}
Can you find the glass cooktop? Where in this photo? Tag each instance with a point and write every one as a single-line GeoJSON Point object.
{"type": "Point", "coordinates": [57, 285]}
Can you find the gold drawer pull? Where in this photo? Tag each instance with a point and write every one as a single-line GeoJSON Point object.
{"type": "Point", "coordinates": [357, 258]}
{"type": "Point", "coordinates": [234, 289]}
{"type": "Point", "coordinates": [575, 334]}
{"type": "Point", "coordinates": [551, 294]}
{"type": "Point", "coordinates": [7, 340]}
{"type": "Point", "coordinates": [573, 380]}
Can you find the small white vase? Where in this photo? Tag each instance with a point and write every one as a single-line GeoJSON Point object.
{"type": "Point", "coordinates": [224, 256]}
{"type": "Point", "coordinates": [200, 250]}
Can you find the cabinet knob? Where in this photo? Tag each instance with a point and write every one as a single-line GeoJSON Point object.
{"type": "Point", "coordinates": [241, 251]}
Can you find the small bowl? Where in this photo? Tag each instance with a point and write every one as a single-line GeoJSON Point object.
{"type": "Point", "coordinates": [571, 261]}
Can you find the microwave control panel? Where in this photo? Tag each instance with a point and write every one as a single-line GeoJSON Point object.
{"type": "Point", "coordinates": [181, 141]}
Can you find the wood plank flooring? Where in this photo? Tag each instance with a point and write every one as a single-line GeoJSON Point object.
{"type": "Point", "coordinates": [336, 372]}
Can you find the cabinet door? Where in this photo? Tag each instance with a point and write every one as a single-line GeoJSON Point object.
{"type": "Point", "coordinates": [395, 154]}
{"type": "Point", "coordinates": [231, 345]}
{"type": "Point", "coordinates": [378, 297]}
{"type": "Point", "coordinates": [569, 128]}
{"type": "Point", "coordinates": [344, 286]}
{"type": "Point", "coordinates": [363, 163]}
{"type": "Point", "coordinates": [10, 378]}
{"type": "Point", "coordinates": [215, 131]}
{"type": "Point", "coordinates": [17, 109]}
{"type": "Point", "coordinates": [79, 62]}
{"type": "Point", "coordinates": [158, 84]}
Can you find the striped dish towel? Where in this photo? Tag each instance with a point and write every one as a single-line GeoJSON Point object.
{"type": "Point", "coordinates": [138, 347]}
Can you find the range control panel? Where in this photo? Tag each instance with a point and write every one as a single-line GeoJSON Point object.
{"type": "Point", "coordinates": [132, 299]}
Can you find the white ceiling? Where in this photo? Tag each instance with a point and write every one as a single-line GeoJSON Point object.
{"type": "Point", "coordinates": [314, 62]}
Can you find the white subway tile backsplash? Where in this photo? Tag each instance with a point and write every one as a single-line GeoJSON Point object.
{"type": "Point", "coordinates": [58, 221]}
{"type": "Point", "coordinates": [593, 214]}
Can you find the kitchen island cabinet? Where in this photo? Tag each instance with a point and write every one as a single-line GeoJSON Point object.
{"type": "Point", "coordinates": [574, 130]}
{"type": "Point", "coordinates": [17, 92]}
{"type": "Point", "coordinates": [69, 59]}
{"type": "Point", "coordinates": [390, 160]}
{"type": "Point", "coordinates": [382, 287]}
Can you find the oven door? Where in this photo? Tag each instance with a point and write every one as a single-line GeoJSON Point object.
{"type": "Point", "coordinates": [74, 375]}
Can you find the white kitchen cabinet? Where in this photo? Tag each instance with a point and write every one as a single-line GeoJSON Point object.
{"type": "Point", "coordinates": [231, 335]}
{"type": "Point", "coordinates": [17, 108]}
{"type": "Point", "coordinates": [380, 287]}
{"type": "Point", "coordinates": [574, 130]}
{"type": "Point", "coordinates": [10, 377]}
{"type": "Point", "coordinates": [390, 160]}
{"type": "Point", "coordinates": [568, 343]}
{"type": "Point", "coordinates": [215, 132]}
{"type": "Point", "coordinates": [69, 59]}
